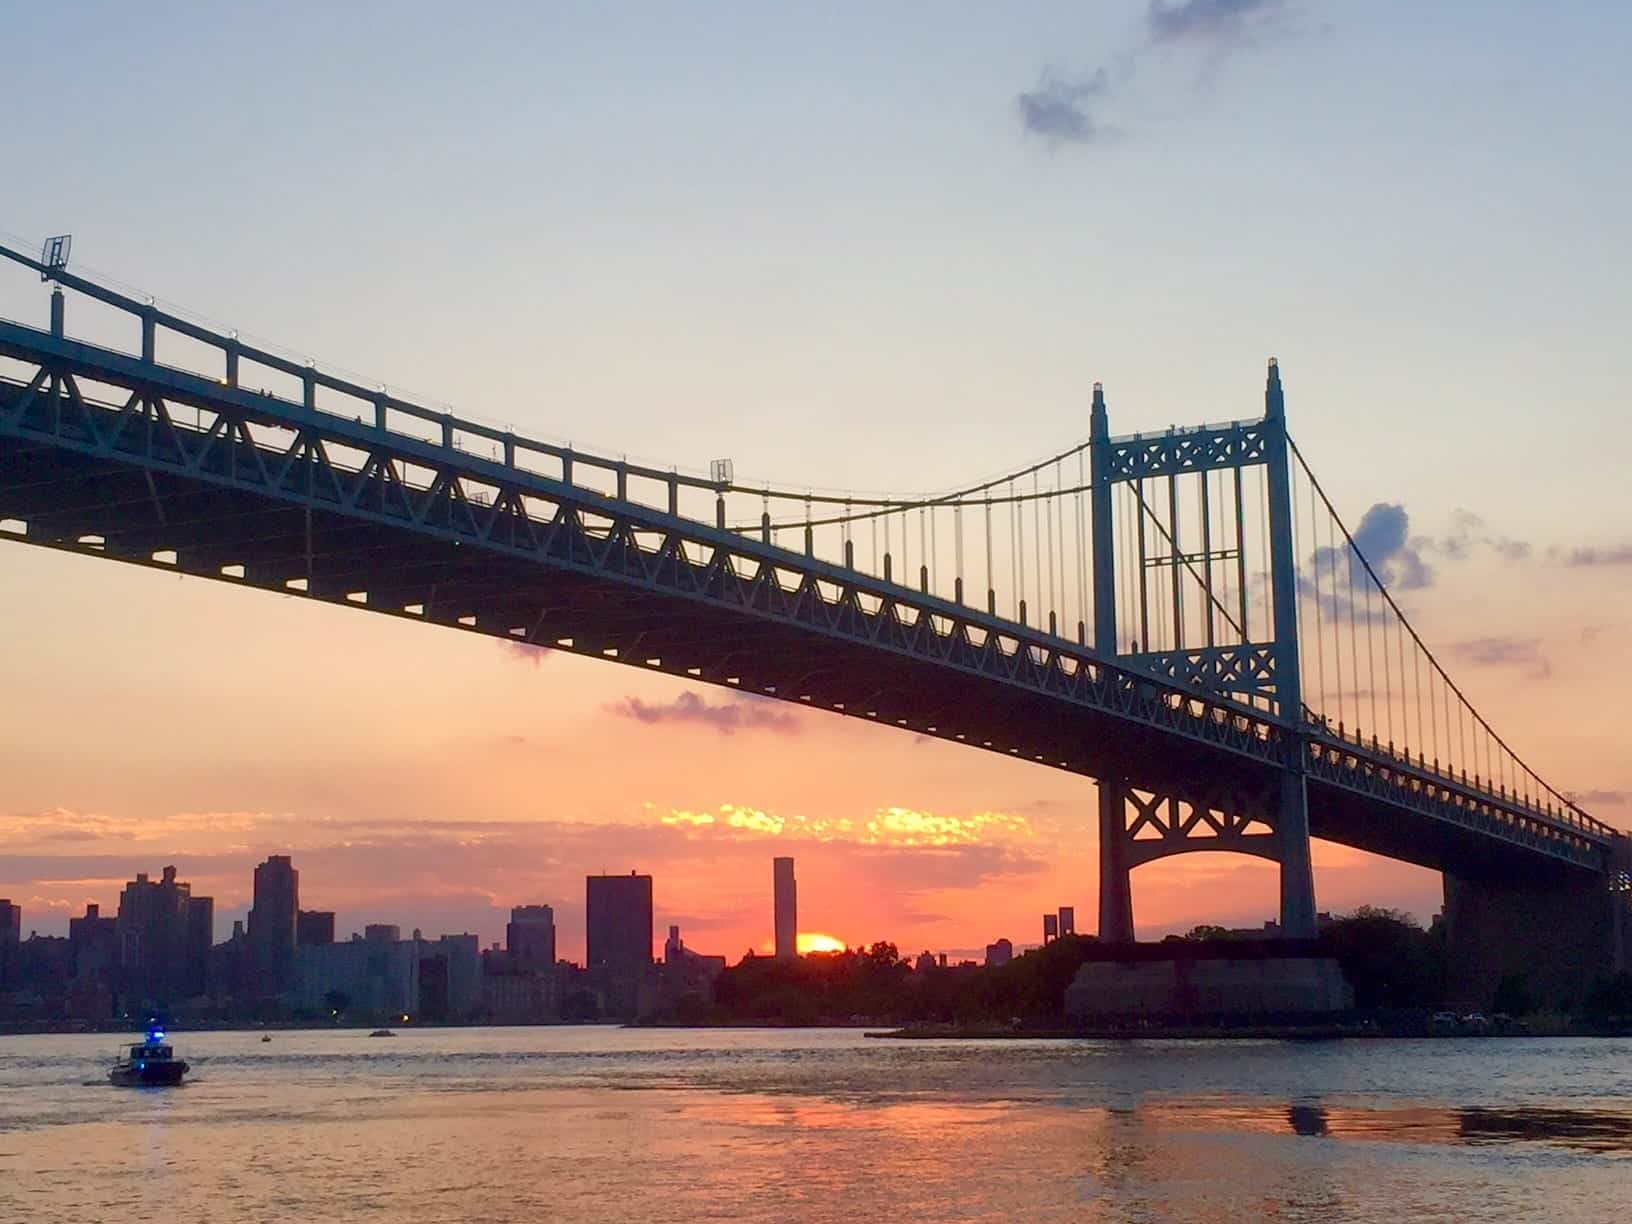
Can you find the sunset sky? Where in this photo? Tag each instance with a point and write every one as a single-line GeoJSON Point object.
{"type": "Point", "coordinates": [881, 249]}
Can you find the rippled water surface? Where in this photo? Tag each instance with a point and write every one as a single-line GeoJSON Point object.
{"type": "Point", "coordinates": [599, 1124]}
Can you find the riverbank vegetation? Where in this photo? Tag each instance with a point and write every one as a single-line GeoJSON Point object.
{"type": "Point", "coordinates": [1396, 967]}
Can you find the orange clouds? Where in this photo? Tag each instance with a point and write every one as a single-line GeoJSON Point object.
{"type": "Point", "coordinates": [891, 826]}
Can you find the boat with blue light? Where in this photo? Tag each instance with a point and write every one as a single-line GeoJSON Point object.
{"type": "Point", "coordinates": [149, 1064]}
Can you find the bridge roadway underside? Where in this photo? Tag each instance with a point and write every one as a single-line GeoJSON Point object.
{"type": "Point", "coordinates": [63, 495]}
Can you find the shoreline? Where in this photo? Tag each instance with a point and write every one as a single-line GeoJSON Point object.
{"type": "Point", "coordinates": [1243, 1032]}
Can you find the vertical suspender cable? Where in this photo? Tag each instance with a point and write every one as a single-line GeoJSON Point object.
{"type": "Point", "coordinates": [1416, 672]}
{"type": "Point", "coordinates": [1388, 683]}
{"type": "Point", "coordinates": [1405, 691]}
{"type": "Point", "coordinates": [1263, 555]}
{"type": "Point", "coordinates": [1314, 560]}
{"type": "Point", "coordinates": [1337, 614]}
{"type": "Point", "coordinates": [1461, 731]}
{"type": "Point", "coordinates": [1241, 558]}
{"type": "Point", "coordinates": [1083, 613]}
{"type": "Point", "coordinates": [933, 549]}
{"type": "Point", "coordinates": [1017, 570]}
{"type": "Point", "coordinates": [1037, 543]}
{"type": "Point", "coordinates": [991, 582]}
{"type": "Point", "coordinates": [1450, 744]}
{"type": "Point", "coordinates": [1144, 595]}
{"type": "Point", "coordinates": [1048, 520]}
{"type": "Point", "coordinates": [1129, 560]}
{"type": "Point", "coordinates": [1371, 660]}
{"type": "Point", "coordinates": [1059, 530]}
{"type": "Point", "coordinates": [1299, 539]}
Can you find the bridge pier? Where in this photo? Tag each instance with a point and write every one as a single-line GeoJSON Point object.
{"type": "Point", "coordinates": [1297, 872]}
{"type": "Point", "coordinates": [1115, 884]}
{"type": "Point", "coordinates": [1554, 934]}
{"type": "Point", "coordinates": [1138, 826]}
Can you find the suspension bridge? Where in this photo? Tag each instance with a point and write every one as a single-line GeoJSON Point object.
{"type": "Point", "coordinates": [1182, 616]}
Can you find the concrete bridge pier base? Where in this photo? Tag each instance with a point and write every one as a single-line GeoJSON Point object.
{"type": "Point", "coordinates": [1115, 886]}
{"type": "Point", "coordinates": [1556, 935]}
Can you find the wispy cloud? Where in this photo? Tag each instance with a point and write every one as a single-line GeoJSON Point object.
{"type": "Point", "coordinates": [1505, 652]}
{"type": "Point", "coordinates": [1607, 798]}
{"type": "Point", "coordinates": [1064, 109]}
{"type": "Point", "coordinates": [1058, 109]}
{"type": "Point", "coordinates": [727, 717]}
{"type": "Point", "coordinates": [1213, 21]}
{"type": "Point", "coordinates": [1615, 554]}
{"type": "Point", "coordinates": [1467, 534]}
{"type": "Point", "coordinates": [521, 652]}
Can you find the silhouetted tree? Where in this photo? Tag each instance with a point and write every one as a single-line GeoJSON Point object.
{"type": "Point", "coordinates": [1610, 999]}
{"type": "Point", "coordinates": [1513, 996]}
{"type": "Point", "coordinates": [1389, 960]}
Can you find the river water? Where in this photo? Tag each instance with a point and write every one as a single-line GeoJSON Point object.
{"type": "Point", "coordinates": [602, 1124]}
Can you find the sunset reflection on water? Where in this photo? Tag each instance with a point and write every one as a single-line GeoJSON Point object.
{"type": "Point", "coordinates": [606, 1124]}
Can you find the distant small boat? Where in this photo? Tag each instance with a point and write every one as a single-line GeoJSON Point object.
{"type": "Point", "coordinates": [382, 1033]}
{"type": "Point", "coordinates": [266, 1036]}
{"type": "Point", "coordinates": [151, 1064]}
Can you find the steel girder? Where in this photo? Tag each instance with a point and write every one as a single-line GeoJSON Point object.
{"type": "Point", "coordinates": [1247, 671]}
{"type": "Point", "coordinates": [1202, 449]}
{"type": "Point", "coordinates": [1159, 825]}
{"type": "Point", "coordinates": [1342, 767]}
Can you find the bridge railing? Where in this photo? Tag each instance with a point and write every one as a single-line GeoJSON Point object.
{"type": "Point", "coordinates": [1381, 754]}
{"type": "Point", "coordinates": [1016, 545]}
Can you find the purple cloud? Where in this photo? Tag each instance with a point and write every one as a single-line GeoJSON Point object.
{"type": "Point", "coordinates": [1467, 533]}
{"type": "Point", "coordinates": [1618, 554]}
{"type": "Point", "coordinates": [1206, 19]}
{"type": "Point", "coordinates": [1505, 652]}
{"type": "Point", "coordinates": [1608, 798]}
{"type": "Point", "coordinates": [1057, 109]}
{"type": "Point", "coordinates": [741, 714]}
{"type": "Point", "coordinates": [521, 652]}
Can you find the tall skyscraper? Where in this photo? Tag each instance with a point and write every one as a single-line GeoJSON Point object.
{"type": "Point", "coordinates": [11, 939]}
{"type": "Point", "coordinates": [154, 948]}
{"type": "Point", "coordinates": [1068, 920]}
{"type": "Point", "coordinates": [787, 908]}
{"type": "Point", "coordinates": [200, 938]}
{"type": "Point", "coordinates": [529, 937]}
{"type": "Point", "coordinates": [93, 944]}
{"type": "Point", "coordinates": [618, 926]}
{"type": "Point", "coordinates": [272, 923]}
{"type": "Point", "coordinates": [618, 920]}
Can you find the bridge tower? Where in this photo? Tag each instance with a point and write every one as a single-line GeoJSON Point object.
{"type": "Point", "coordinates": [1247, 649]}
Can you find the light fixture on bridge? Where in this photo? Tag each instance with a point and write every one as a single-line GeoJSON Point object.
{"type": "Point", "coordinates": [721, 471]}
{"type": "Point", "coordinates": [54, 255]}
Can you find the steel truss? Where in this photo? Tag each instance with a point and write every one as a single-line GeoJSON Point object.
{"type": "Point", "coordinates": [1158, 825]}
